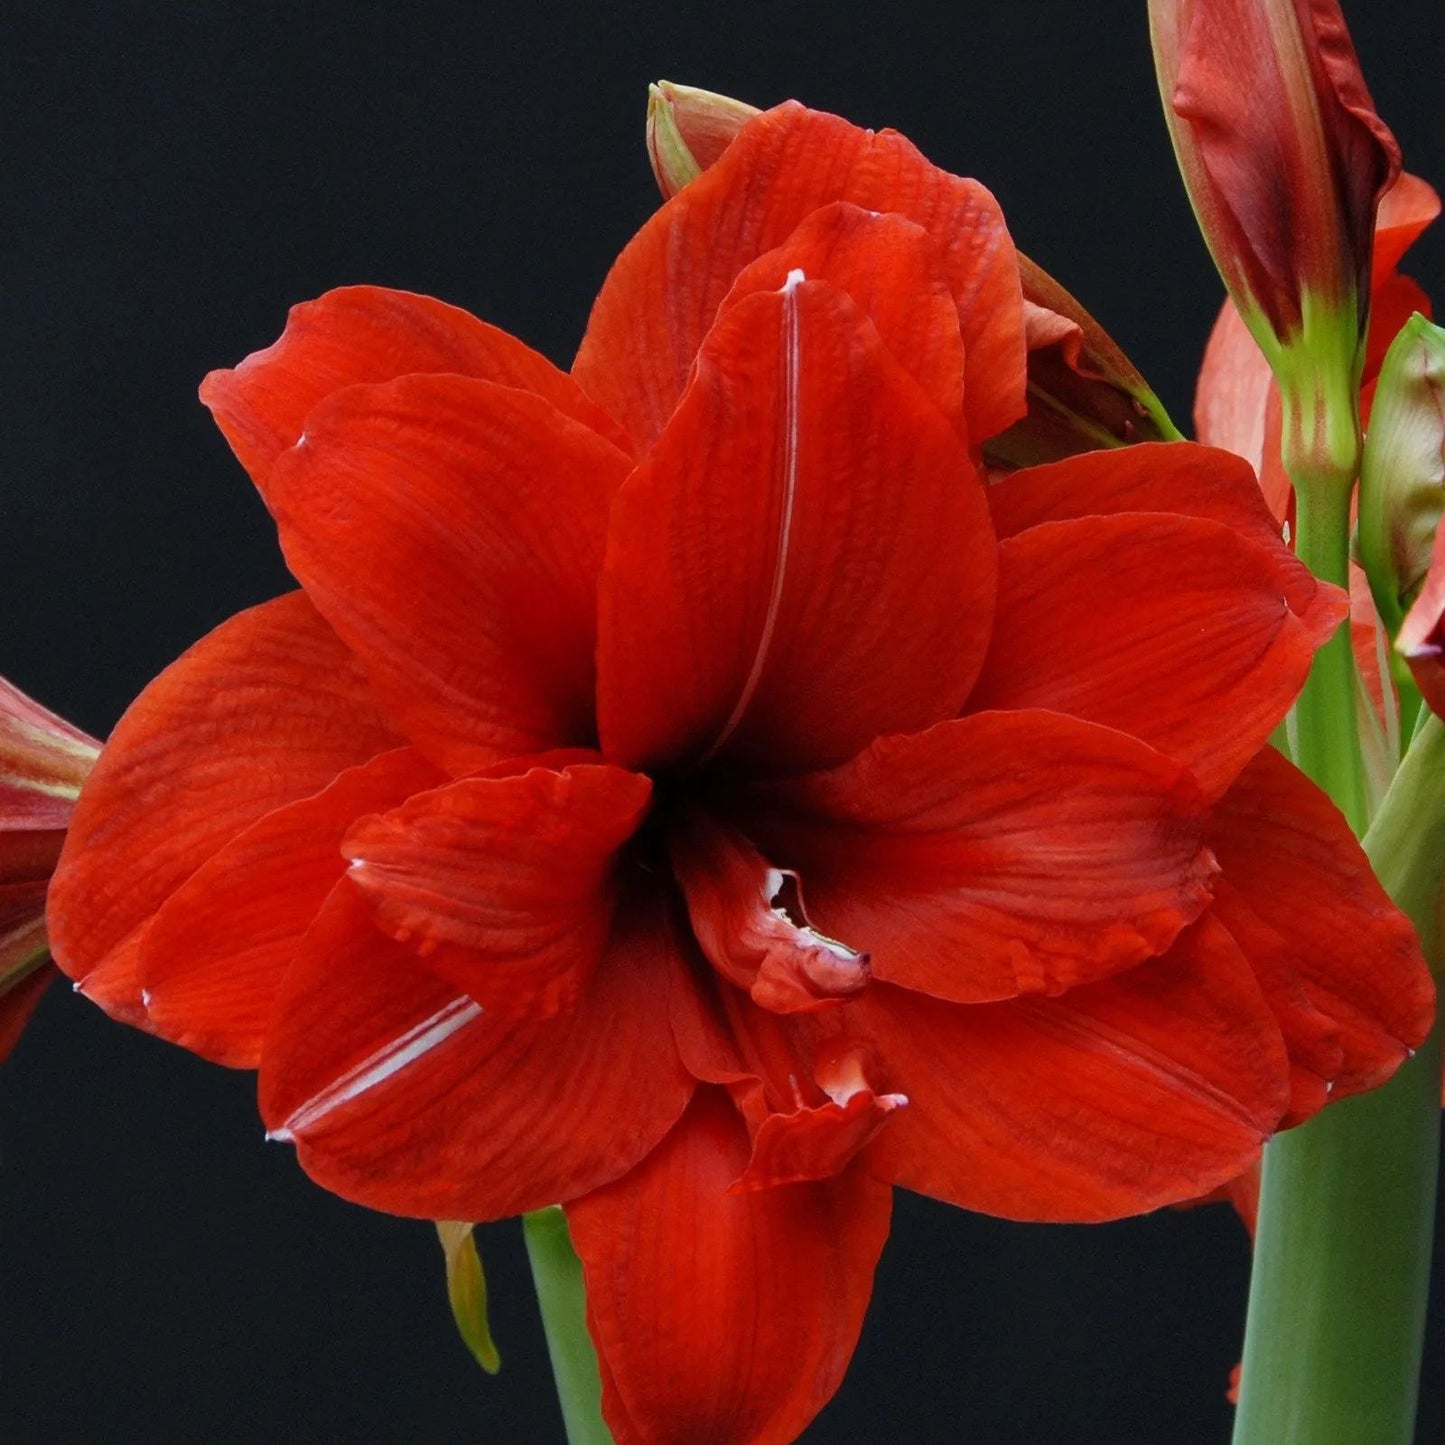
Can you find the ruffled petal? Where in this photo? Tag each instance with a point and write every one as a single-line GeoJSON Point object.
{"type": "Point", "coordinates": [892, 268]}
{"type": "Point", "coordinates": [268, 708]}
{"type": "Point", "coordinates": [213, 958]}
{"type": "Point", "coordinates": [724, 1318]}
{"type": "Point", "coordinates": [1143, 1090]}
{"type": "Point", "coordinates": [804, 562]}
{"type": "Point", "coordinates": [362, 334]}
{"type": "Point", "coordinates": [451, 530]}
{"type": "Point", "coordinates": [401, 1094]}
{"type": "Point", "coordinates": [749, 921]}
{"type": "Point", "coordinates": [664, 292]}
{"type": "Point", "coordinates": [1172, 628]}
{"type": "Point", "coordinates": [505, 884]}
{"type": "Point", "coordinates": [996, 855]}
{"type": "Point", "coordinates": [1295, 867]}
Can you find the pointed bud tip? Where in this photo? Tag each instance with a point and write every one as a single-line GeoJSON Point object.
{"type": "Point", "coordinates": [687, 130]}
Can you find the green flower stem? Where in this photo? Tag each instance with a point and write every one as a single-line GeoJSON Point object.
{"type": "Point", "coordinates": [1328, 733]}
{"type": "Point", "coordinates": [557, 1274]}
{"type": "Point", "coordinates": [1342, 1250]}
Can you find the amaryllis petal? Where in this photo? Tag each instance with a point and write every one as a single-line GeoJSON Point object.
{"type": "Point", "coordinates": [723, 1317]}
{"type": "Point", "coordinates": [665, 290]}
{"type": "Point", "coordinates": [1237, 407]}
{"type": "Point", "coordinates": [997, 855]}
{"type": "Point", "coordinates": [748, 918]}
{"type": "Point", "coordinates": [268, 708]}
{"type": "Point", "coordinates": [400, 1093]}
{"type": "Point", "coordinates": [1097, 618]}
{"type": "Point", "coordinates": [1177, 478]}
{"type": "Point", "coordinates": [1406, 209]}
{"type": "Point", "coordinates": [893, 270]}
{"type": "Point", "coordinates": [359, 334]}
{"type": "Point", "coordinates": [805, 560]}
{"type": "Point", "coordinates": [212, 988]}
{"type": "Point", "coordinates": [451, 530]}
{"type": "Point", "coordinates": [1119, 1097]}
{"type": "Point", "coordinates": [1294, 864]}
{"type": "Point", "coordinates": [510, 878]}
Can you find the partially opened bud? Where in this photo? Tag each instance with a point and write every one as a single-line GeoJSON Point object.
{"type": "Point", "coordinates": [1402, 478]}
{"type": "Point", "coordinates": [687, 130]}
{"type": "Point", "coordinates": [43, 762]}
{"type": "Point", "coordinates": [1285, 161]}
{"type": "Point", "coordinates": [1083, 392]}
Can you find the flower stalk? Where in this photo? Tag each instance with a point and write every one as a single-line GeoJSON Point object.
{"type": "Point", "coordinates": [1342, 1252]}
{"type": "Point", "coordinates": [1328, 740]}
{"type": "Point", "coordinates": [562, 1297]}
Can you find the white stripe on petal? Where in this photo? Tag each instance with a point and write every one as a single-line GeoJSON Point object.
{"type": "Point", "coordinates": [377, 1068]}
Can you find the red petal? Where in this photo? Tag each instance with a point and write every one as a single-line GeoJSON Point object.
{"type": "Point", "coordinates": [213, 958]}
{"type": "Point", "coordinates": [1406, 209]}
{"type": "Point", "coordinates": [1143, 1090]}
{"type": "Point", "coordinates": [1001, 854]}
{"type": "Point", "coordinates": [17, 1004]}
{"type": "Point", "coordinates": [512, 877]}
{"type": "Point", "coordinates": [1294, 863]}
{"type": "Point", "coordinates": [370, 334]}
{"type": "Point", "coordinates": [1173, 629]}
{"type": "Point", "coordinates": [1421, 639]}
{"type": "Point", "coordinates": [664, 292]}
{"type": "Point", "coordinates": [1170, 477]}
{"type": "Point", "coordinates": [451, 531]}
{"type": "Point", "coordinates": [1237, 407]}
{"type": "Point", "coordinates": [803, 563]}
{"type": "Point", "coordinates": [723, 1318]}
{"type": "Point", "coordinates": [267, 709]}
{"type": "Point", "coordinates": [401, 1094]}
{"type": "Point", "coordinates": [756, 941]}
{"type": "Point", "coordinates": [893, 270]}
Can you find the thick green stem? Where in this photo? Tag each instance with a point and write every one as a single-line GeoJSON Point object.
{"type": "Point", "coordinates": [1328, 736]}
{"type": "Point", "coordinates": [1342, 1250]}
{"type": "Point", "coordinates": [557, 1274]}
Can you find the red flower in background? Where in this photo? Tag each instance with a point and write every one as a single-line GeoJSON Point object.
{"type": "Point", "coordinates": [1237, 406]}
{"type": "Point", "coordinates": [43, 762]}
{"type": "Point", "coordinates": [684, 791]}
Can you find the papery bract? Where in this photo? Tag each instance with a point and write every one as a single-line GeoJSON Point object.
{"type": "Point", "coordinates": [683, 790]}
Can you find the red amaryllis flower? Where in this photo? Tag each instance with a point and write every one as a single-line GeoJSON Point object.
{"type": "Point", "coordinates": [683, 791]}
{"type": "Point", "coordinates": [43, 762]}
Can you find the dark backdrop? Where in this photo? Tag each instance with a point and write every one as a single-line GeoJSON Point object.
{"type": "Point", "coordinates": [174, 176]}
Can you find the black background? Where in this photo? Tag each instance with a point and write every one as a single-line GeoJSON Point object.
{"type": "Point", "coordinates": [174, 176]}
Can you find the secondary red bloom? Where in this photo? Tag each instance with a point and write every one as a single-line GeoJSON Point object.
{"type": "Point", "coordinates": [684, 791]}
{"type": "Point", "coordinates": [43, 762]}
{"type": "Point", "coordinates": [1281, 149]}
{"type": "Point", "coordinates": [1237, 406]}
